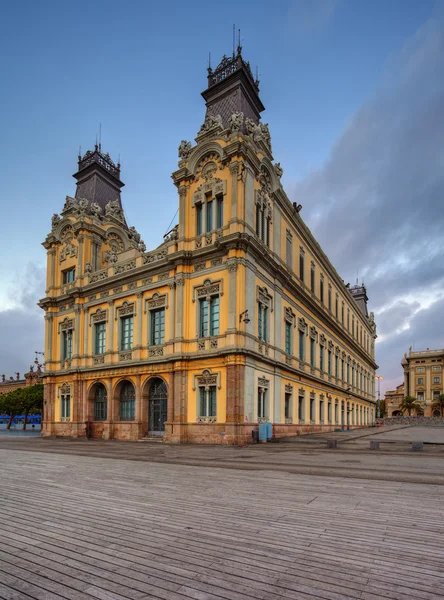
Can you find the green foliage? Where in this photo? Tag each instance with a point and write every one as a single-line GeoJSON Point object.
{"type": "Point", "coordinates": [439, 404]}
{"type": "Point", "coordinates": [22, 400]}
{"type": "Point", "coordinates": [409, 404]}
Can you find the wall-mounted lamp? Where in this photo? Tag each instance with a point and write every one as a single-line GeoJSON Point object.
{"type": "Point", "coordinates": [244, 317]}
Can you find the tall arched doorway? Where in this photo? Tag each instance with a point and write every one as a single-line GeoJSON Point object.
{"type": "Point", "coordinates": [157, 407]}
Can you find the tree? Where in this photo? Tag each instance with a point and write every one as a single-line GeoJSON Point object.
{"type": "Point", "coordinates": [31, 401]}
{"type": "Point", "coordinates": [10, 405]}
{"type": "Point", "coordinates": [438, 404]}
{"type": "Point", "coordinates": [411, 403]}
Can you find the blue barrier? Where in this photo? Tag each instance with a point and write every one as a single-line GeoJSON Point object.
{"type": "Point", "coordinates": [269, 431]}
{"type": "Point", "coordinates": [263, 432]}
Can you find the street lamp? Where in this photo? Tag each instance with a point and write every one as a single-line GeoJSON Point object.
{"type": "Point", "coordinates": [379, 377]}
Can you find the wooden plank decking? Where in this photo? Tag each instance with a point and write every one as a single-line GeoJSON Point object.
{"type": "Point", "coordinates": [92, 528]}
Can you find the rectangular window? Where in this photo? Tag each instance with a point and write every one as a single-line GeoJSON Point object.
{"type": "Point", "coordinates": [348, 373]}
{"type": "Point", "coordinates": [207, 401]}
{"type": "Point", "coordinates": [312, 410]}
{"type": "Point", "coordinates": [288, 337]}
{"type": "Point", "coordinates": [436, 368]}
{"type": "Point", "coordinates": [321, 411]}
{"type": "Point", "coordinates": [329, 298]}
{"type": "Point", "coordinates": [348, 320]}
{"type": "Point", "coordinates": [301, 345]}
{"type": "Point", "coordinates": [209, 215]}
{"type": "Point", "coordinates": [436, 380]}
{"type": "Point", "coordinates": [100, 331]}
{"type": "Point", "coordinates": [287, 406]}
{"type": "Point", "coordinates": [337, 367]}
{"type": "Point", "coordinates": [65, 406]}
{"type": "Point", "coordinates": [209, 316]}
{"type": "Point", "coordinates": [337, 307]}
{"type": "Point", "coordinates": [157, 327]}
{"type": "Point", "coordinates": [66, 344]}
{"type": "Point", "coordinates": [262, 322]}
{"type": "Point", "coordinates": [321, 357]}
{"type": "Point", "coordinates": [126, 337]}
{"type": "Point", "coordinates": [289, 250]}
{"type": "Point", "coordinates": [301, 412]}
{"type": "Point", "coordinates": [420, 369]}
{"type": "Point", "coordinates": [343, 370]}
{"type": "Point", "coordinates": [313, 280]}
{"type": "Point", "coordinates": [342, 313]}
{"type": "Point", "coordinates": [336, 413]}
{"type": "Point", "coordinates": [329, 362]}
{"type": "Point", "coordinates": [329, 412]}
{"type": "Point", "coordinates": [420, 396]}
{"type": "Point", "coordinates": [436, 395]}
{"type": "Point", "coordinates": [420, 380]}
{"type": "Point", "coordinates": [301, 265]}
{"type": "Point", "coordinates": [261, 399]}
{"type": "Point", "coordinates": [321, 290]}
{"type": "Point", "coordinates": [258, 219]}
{"type": "Point", "coordinates": [312, 352]}
{"type": "Point", "coordinates": [198, 219]}
{"type": "Point", "coordinates": [69, 275]}
{"type": "Point", "coordinates": [220, 212]}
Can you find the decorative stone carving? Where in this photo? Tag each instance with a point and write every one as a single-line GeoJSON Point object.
{"type": "Point", "coordinates": [201, 345]}
{"type": "Point", "coordinates": [212, 419]}
{"type": "Point", "coordinates": [312, 396]}
{"type": "Point", "coordinates": [123, 268]}
{"type": "Point", "coordinates": [258, 132]}
{"type": "Point", "coordinates": [99, 316]}
{"type": "Point", "coordinates": [98, 276]}
{"type": "Point", "coordinates": [147, 280]}
{"type": "Point", "coordinates": [200, 266]}
{"type": "Point", "coordinates": [125, 356]}
{"type": "Point", "coordinates": [163, 276]}
{"type": "Point", "coordinates": [68, 250]}
{"type": "Point", "coordinates": [153, 352]}
{"type": "Point", "coordinates": [55, 221]}
{"type": "Point", "coordinates": [132, 285]}
{"type": "Point", "coordinates": [113, 209]}
{"type": "Point", "coordinates": [236, 121]}
{"type": "Point", "coordinates": [198, 243]}
{"type": "Point", "coordinates": [208, 289]}
{"type": "Point", "coordinates": [289, 315]}
{"type": "Point", "coordinates": [98, 360]}
{"type": "Point", "coordinates": [173, 235]}
{"type": "Point", "coordinates": [155, 256]}
{"type": "Point", "coordinates": [126, 309]}
{"type": "Point", "coordinates": [88, 267]}
{"type": "Point", "coordinates": [96, 211]}
{"type": "Point", "coordinates": [288, 360]}
{"type": "Point", "coordinates": [209, 170]}
{"type": "Point", "coordinates": [213, 344]}
{"type": "Point", "coordinates": [117, 290]}
{"type": "Point", "coordinates": [156, 301]}
{"type": "Point", "coordinates": [278, 170]}
{"type": "Point", "coordinates": [184, 149]}
{"type": "Point", "coordinates": [313, 333]}
{"type": "Point", "coordinates": [263, 297]}
{"type": "Point", "coordinates": [216, 262]}
{"type": "Point", "coordinates": [288, 388]}
{"type": "Point", "coordinates": [65, 388]}
{"type": "Point", "coordinates": [263, 382]}
{"type": "Point", "coordinates": [81, 206]}
{"type": "Point", "coordinates": [302, 325]}
{"type": "Point", "coordinates": [134, 235]}
{"type": "Point", "coordinates": [207, 379]}
{"type": "Point", "coordinates": [69, 204]}
{"type": "Point", "coordinates": [66, 324]}
{"type": "Point", "coordinates": [104, 294]}
{"type": "Point", "coordinates": [142, 246]}
{"type": "Point", "coordinates": [211, 122]}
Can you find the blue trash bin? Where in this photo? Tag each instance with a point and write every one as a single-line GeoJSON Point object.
{"type": "Point", "coordinates": [269, 430]}
{"type": "Point", "coordinates": [263, 432]}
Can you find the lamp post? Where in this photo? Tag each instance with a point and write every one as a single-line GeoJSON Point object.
{"type": "Point", "coordinates": [378, 378]}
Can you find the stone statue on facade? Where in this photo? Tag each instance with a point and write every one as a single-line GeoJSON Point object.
{"type": "Point", "coordinates": [69, 203]}
{"type": "Point", "coordinates": [142, 246]}
{"type": "Point", "coordinates": [81, 207]}
{"type": "Point", "coordinates": [55, 221]}
{"type": "Point", "coordinates": [112, 209]}
{"type": "Point", "coordinates": [184, 149]}
{"type": "Point", "coordinates": [96, 211]}
{"type": "Point", "coordinates": [278, 170]}
{"type": "Point", "coordinates": [236, 121]}
{"type": "Point", "coordinates": [88, 267]}
{"type": "Point", "coordinates": [211, 122]}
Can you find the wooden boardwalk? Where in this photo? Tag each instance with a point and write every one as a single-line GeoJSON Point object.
{"type": "Point", "coordinates": [86, 528]}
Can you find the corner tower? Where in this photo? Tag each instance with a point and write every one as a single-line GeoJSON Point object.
{"type": "Point", "coordinates": [233, 89]}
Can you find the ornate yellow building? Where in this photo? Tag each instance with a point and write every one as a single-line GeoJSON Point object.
{"type": "Point", "coordinates": [237, 318]}
{"type": "Point", "coordinates": [423, 377]}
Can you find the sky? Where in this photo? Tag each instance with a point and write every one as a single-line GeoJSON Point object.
{"type": "Point", "coordinates": [354, 97]}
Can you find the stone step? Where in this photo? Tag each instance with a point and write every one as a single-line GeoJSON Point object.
{"type": "Point", "coordinates": [152, 438]}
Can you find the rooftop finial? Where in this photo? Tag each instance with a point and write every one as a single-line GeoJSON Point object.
{"type": "Point", "coordinates": [239, 47]}
{"type": "Point", "coordinates": [234, 39]}
{"type": "Point", "coordinates": [100, 137]}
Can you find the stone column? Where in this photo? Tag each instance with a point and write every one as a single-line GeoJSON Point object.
{"type": "Point", "coordinates": [49, 318]}
{"type": "Point", "coordinates": [85, 331]}
{"type": "Point", "coordinates": [52, 258]}
{"type": "Point", "coordinates": [277, 232]}
{"type": "Point", "coordinates": [179, 400]}
{"type": "Point", "coordinates": [232, 267]}
{"type": "Point", "coordinates": [138, 414]}
{"type": "Point", "coordinates": [406, 383]}
{"type": "Point", "coordinates": [172, 311]}
{"type": "Point", "coordinates": [234, 169]}
{"type": "Point", "coordinates": [277, 400]}
{"type": "Point", "coordinates": [180, 284]}
{"type": "Point", "coordinates": [249, 197]}
{"type": "Point", "coordinates": [80, 239]}
{"type": "Point", "coordinates": [139, 319]}
{"type": "Point", "coordinates": [182, 209]}
{"type": "Point", "coordinates": [77, 310]}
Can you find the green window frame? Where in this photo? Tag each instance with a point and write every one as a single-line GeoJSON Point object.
{"type": "Point", "coordinates": [312, 352]}
{"type": "Point", "coordinates": [100, 338]}
{"type": "Point", "coordinates": [157, 327]}
{"type": "Point", "coordinates": [207, 401]}
{"type": "Point", "coordinates": [209, 316]}
{"type": "Point", "coordinates": [65, 406]}
{"type": "Point", "coordinates": [329, 362]}
{"type": "Point", "coordinates": [69, 275]}
{"type": "Point", "coordinates": [199, 219]}
{"type": "Point", "coordinates": [337, 367]}
{"type": "Point", "coordinates": [301, 408]}
{"type": "Point", "coordinates": [287, 406]}
{"type": "Point", "coordinates": [209, 215]}
{"type": "Point", "coordinates": [301, 345]}
{"type": "Point", "coordinates": [301, 265]}
{"type": "Point", "coordinates": [127, 402]}
{"type": "Point", "coordinates": [66, 344]}
{"type": "Point", "coordinates": [220, 212]}
{"type": "Point", "coordinates": [262, 322]}
{"type": "Point", "coordinates": [288, 344]}
{"type": "Point", "coordinates": [127, 332]}
{"type": "Point", "coordinates": [321, 358]}
{"type": "Point", "coordinates": [100, 403]}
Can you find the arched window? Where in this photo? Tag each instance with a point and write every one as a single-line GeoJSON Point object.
{"type": "Point", "coordinates": [100, 411]}
{"type": "Point", "coordinates": [127, 402]}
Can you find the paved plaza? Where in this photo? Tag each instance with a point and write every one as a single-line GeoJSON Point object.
{"type": "Point", "coordinates": [119, 520]}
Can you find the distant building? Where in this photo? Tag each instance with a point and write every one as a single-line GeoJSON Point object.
{"type": "Point", "coordinates": [423, 377]}
{"type": "Point", "coordinates": [9, 384]}
{"type": "Point", "coordinates": [393, 399]}
{"type": "Point", "coordinates": [236, 319]}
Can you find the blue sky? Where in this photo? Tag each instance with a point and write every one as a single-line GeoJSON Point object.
{"type": "Point", "coordinates": [325, 66]}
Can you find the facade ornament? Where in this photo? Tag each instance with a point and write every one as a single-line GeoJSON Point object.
{"type": "Point", "coordinates": [88, 267]}
{"type": "Point", "coordinates": [184, 149]}
{"type": "Point", "coordinates": [69, 204]}
{"type": "Point", "coordinates": [112, 257]}
{"type": "Point", "coordinates": [113, 209]}
{"type": "Point", "coordinates": [211, 122]}
{"type": "Point", "coordinates": [278, 170]}
{"type": "Point", "coordinates": [209, 170]}
{"type": "Point", "coordinates": [96, 210]}
{"type": "Point", "coordinates": [258, 132]}
{"type": "Point", "coordinates": [81, 206]}
{"type": "Point", "coordinates": [55, 221]}
{"type": "Point", "coordinates": [236, 121]}
{"type": "Point", "coordinates": [265, 134]}
{"type": "Point", "coordinates": [172, 235]}
{"type": "Point", "coordinates": [142, 246]}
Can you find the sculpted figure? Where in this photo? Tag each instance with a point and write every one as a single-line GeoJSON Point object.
{"type": "Point", "coordinates": [279, 170]}
{"type": "Point", "coordinates": [210, 122]}
{"type": "Point", "coordinates": [55, 221]}
{"type": "Point", "coordinates": [235, 122]}
{"type": "Point", "coordinates": [88, 267]}
{"type": "Point", "coordinates": [95, 209]}
{"type": "Point", "coordinates": [184, 149]}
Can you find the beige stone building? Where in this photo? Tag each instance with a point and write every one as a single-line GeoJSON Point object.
{"type": "Point", "coordinates": [423, 376]}
{"type": "Point", "coordinates": [236, 319]}
{"type": "Point", "coordinates": [393, 399]}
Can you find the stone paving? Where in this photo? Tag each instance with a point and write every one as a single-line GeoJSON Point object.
{"type": "Point", "coordinates": [115, 521]}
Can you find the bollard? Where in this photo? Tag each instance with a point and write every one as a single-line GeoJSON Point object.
{"type": "Point", "coordinates": [417, 446]}
{"type": "Point", "coordinates": [332, 443]}
{"type": "Point", "coordinates": [374, 445]}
